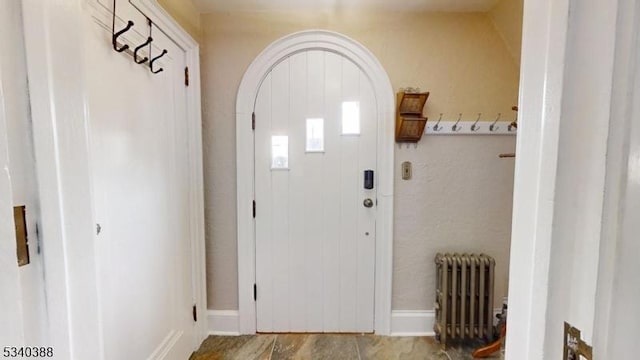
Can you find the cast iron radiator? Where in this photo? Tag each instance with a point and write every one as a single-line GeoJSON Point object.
{"type": "Point", "coordinates": [464, 297]}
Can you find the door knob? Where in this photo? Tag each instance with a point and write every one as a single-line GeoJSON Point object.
{"type": "Point", "coordinates": [367, 203]}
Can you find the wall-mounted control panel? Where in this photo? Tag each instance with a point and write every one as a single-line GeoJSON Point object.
{"type": "Point", "coordinates": [368, 179]}
{"type": "Point", "coordinates": [406, 170]}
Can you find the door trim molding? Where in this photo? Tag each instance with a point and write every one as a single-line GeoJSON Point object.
{"type": "Point", "coordinates": [247, 92]}
{"type": "Point", "coordinates": [56, 67]}
{"type": "Point", "coordinates": [544, 44]}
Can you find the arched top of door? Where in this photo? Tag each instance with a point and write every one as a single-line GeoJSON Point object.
{"type": "Point", "coordinates": [313, 40]}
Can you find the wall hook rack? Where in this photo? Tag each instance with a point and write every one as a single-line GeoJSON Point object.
{"type": "Point", "coordinates": [477, 126]}
{"type": "Point", "coordinates": [148, 42]}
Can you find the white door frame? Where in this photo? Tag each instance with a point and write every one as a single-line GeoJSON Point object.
{"type": "Point", "coordinates": [544, 40]}
{"type": "Point", "coordinates": [247, 93]}
{"type": "Point", "coordinates": [55, 65]}
{"type": "Point", "coordinates": [11, 309]}
{"type": "Point", "coordinates": [546, 52]}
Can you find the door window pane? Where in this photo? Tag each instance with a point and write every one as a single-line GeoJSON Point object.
{"type": "Point", "coordinates": [315, 135]}
{"type": "Point", "coordinates": [350, 118]}
{"type": "Point", "coordinates": [279, 152]}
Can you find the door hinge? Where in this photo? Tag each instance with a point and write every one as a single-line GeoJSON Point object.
{"type": "Point", "coordinates": [186, 76]}
{"type": "Point", "coordinates": [195, 313]}
{"type": "Point", "coordinates": [38, 238]}
{"type": "Point", "coordinates": [254, 209]}
{"type": "Point", "coordinates": [253, 121]}
{"type": "Point", "coordinates": [255, 292]}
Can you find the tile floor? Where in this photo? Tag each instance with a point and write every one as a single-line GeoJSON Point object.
{"type": "Point", "coordinates": [326, 347]}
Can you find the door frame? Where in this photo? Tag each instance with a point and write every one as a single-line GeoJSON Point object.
{"type": "Point", "coordinates": [247, 93]}
{"type": "Point", "coordinates": [55, 66]}
{"type": "Point", "coordinates": [11, 309]}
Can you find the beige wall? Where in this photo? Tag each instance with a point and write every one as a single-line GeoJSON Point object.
{"type": "Point", "coordinates": [460, 196]}
{"type": "Point", "coordinates": [507, 17]}
{"type": "Point", "coordinates": [186, 14]}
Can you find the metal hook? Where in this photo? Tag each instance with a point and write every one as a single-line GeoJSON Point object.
{"type": "Point", "coordinates": [475, 126]}
{"type": "Point", "coordinates": [135, 52]}
{"type": "Point", "coordinates": [514, 123]}
{"type": "Point", "coordinates": [114, 37]}
{"type": "Point", "coordinates": [493, 126]}
{"type": "Point", "coordinates": [437, 126]}
{"type": "Point", "coordinates": [156, 58]}
{"type": "Point", "coordinates": [455, 126]}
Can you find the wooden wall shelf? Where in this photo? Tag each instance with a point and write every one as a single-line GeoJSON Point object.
{"type": "Point", "coordinates": [410, 122]}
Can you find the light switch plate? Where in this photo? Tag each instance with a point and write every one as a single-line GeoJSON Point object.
{"type": "Point", "coordinates": [406, 170]}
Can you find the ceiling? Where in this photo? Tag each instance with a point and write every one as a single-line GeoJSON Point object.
{"type": "Point", "coordinates": [317, 5]}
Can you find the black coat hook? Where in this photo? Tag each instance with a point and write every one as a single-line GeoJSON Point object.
{"type": "Point", "coordinates": [156, 58]}
{"type": "Point", "coordinates": [114, 38]}
{"type": "Point", "coordinates": [135, 53]}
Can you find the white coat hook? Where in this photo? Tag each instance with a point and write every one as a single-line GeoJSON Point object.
{"type": "Point", "coordinates": [493, 126]}
{"type": "Point", "coordinates": [475, 126]}
{"type": "Point", "coordinates": [456, 127]}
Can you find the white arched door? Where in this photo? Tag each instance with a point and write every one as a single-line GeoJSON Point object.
{"type": "Point", "coordinates": [315, 138]}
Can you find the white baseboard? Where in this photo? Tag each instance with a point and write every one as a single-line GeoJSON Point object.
{"type": "Point", "coordinates": [412, 322]}
{"type": "Point", "coordinates": [403, 322]}
{"type": "Point", "coordinates": [223, 322]}
{"type": "Point", "coordinates": [416, 322]}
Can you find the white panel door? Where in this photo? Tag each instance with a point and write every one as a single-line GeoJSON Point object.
{"type": "Point", "coordinates": [139, 159]}
{"type": "Point", "coordinates": [315, 136]}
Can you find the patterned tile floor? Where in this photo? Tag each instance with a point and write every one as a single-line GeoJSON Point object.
{"type": "Point", "coordinates": [326, 347]}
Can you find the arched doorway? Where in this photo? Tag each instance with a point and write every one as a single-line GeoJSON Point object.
{"type": "Point", "coordinates": [383, 109]}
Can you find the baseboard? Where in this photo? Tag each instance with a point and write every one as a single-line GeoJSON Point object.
{"type": "Point", "coordinates": [223, 322]}
{"type": "Point", "coordinates": [403, 322]}
{"type": "Point", "coordinates": [412, 322]}
{"type": "Point", "coordinates": [415, 322]}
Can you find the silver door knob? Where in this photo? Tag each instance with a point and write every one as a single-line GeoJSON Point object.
{"type": "Point", "coordinates": [367, 203]}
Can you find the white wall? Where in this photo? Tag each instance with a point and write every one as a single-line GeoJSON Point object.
{"type": "Point", "coordinates": [618, 290]}
{"type": "Point", "coordinates": [619, 321]}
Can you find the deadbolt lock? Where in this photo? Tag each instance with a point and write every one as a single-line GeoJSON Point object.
{"type": "Point", "coordinates": [367, 203]}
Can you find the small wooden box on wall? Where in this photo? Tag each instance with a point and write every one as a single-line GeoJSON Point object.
{"type": "Point", "coordinates": [409, 120]}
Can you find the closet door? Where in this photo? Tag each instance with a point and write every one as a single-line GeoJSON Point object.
{"type": "Point", "coordinates": [139, 161]}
